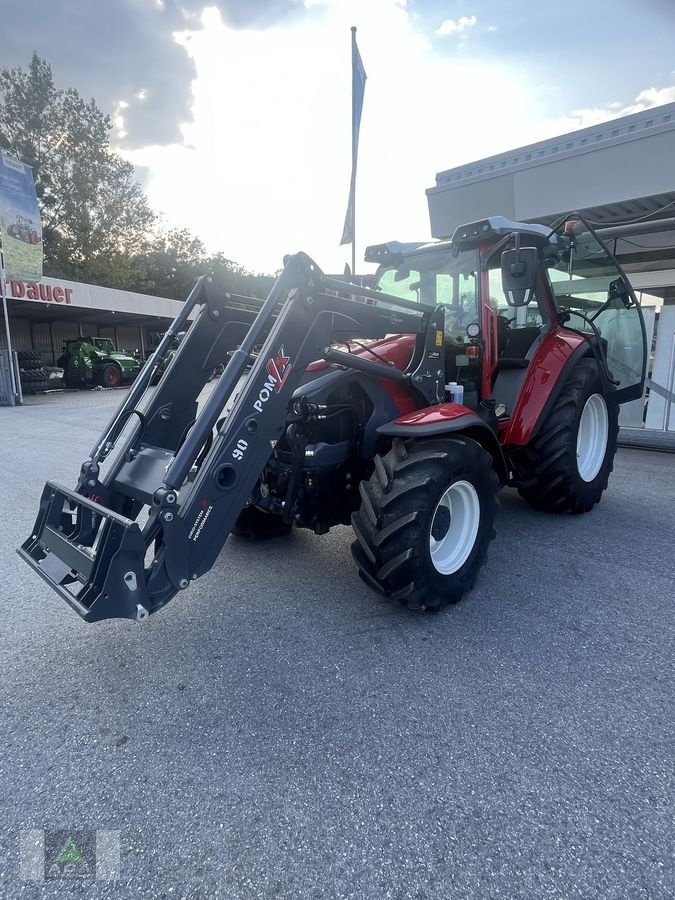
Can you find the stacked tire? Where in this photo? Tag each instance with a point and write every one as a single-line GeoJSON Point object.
{"type": "Point", "coordinates": [34, 377]}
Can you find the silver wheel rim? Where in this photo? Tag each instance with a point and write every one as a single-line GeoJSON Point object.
{"type": "Point", "coordinates": [592, 437]}
{"type": "Point", "coordinates": [454, 526]}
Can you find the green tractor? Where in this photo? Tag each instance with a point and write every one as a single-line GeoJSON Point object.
{"type": "Point", "coordinates": [90, 361]}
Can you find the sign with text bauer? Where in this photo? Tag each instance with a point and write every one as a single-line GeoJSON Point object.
{"type": "Point", "coordinates": [20, 226]}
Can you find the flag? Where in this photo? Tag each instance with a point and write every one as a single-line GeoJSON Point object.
{"type": "Point", "coordinates": [358, 90]}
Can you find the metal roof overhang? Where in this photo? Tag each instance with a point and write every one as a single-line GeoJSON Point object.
{"type": "Point", "coordinates": [47, 312]}
{"type": "Point", "coordinates": [619, 175]}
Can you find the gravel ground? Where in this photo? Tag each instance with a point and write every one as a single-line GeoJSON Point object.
{"type": "Point", "coordinates": [279, 731]}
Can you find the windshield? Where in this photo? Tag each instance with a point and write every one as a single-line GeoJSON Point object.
{"type": "Point", "coordinates": [438, 278]}
{"type": "Point", "coordinates": [104, 344]}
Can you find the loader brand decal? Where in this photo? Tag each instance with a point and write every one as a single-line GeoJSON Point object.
{"type": "Point", "coordinates": [278, 370]}
{"type": "Point", "coordinates": [200, 521]}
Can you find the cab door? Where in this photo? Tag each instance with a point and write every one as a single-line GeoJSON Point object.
{"type": "Point", "coordinates": [593, 296]}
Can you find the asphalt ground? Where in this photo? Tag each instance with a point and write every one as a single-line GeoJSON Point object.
{"type": "Point", "coordinates": [279, 731]}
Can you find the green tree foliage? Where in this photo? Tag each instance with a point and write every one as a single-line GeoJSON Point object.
{"type": "Point", "coordinates": [97, 224]}
{"type": "Point", "coordinates": [172, 259]}
{"type": "Point", "coordinates": [94, 212]}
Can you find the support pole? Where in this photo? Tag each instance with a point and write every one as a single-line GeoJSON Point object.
{"type": "Point", "coordinates": [3, 290]}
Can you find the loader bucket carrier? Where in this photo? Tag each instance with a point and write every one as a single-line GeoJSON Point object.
{"type": "Point", "coordinates": [166, 482]}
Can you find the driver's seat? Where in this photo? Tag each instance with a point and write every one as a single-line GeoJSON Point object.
{"type": "Point", "coordinates": [513, 363]}
{"type": "Point", "coordinates": [518, 341]}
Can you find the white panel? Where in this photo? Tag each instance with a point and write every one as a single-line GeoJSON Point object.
{"type": "Point", "coordinates": [59, 294]}
{"type": "Point", "coordinates": [660, 412]}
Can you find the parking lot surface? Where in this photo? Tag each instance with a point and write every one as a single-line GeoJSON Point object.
{"type": "Point", "coordinates": [280, 731]}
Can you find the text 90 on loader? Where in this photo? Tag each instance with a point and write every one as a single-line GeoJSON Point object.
{"type": "Point", "coordinates": [347, 413]}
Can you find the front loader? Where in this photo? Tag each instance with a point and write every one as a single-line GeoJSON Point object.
{"type": "Point", "coordinates": [340, 404]}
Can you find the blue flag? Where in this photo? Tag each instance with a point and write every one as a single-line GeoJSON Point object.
{"type": "Point", "coordinates": [358, 90]}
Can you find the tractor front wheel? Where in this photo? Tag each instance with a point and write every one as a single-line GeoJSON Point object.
{"type": "Point", "coordinates": [569, 461]}
{"type": "Point", "coordinates": [426, 520]}
{"type": "Point", "coordinates": [111, 376]}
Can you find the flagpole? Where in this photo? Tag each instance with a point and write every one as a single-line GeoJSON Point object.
{"type": "Point", "coordinates": [354, 140]}
{"type": "Point", "coordinates": [358, 87]}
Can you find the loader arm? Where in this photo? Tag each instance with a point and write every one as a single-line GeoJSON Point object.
{"type": "Point", "coordinates": [166, 481]}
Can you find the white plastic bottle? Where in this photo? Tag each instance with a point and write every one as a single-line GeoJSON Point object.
{"type": "Point", "coordinates": [456, 392]}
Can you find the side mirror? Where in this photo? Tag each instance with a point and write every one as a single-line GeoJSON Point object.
{"type": "Point", "coordinates": [519, 275]}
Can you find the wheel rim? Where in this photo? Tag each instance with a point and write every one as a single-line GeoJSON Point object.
{"type": "Point", "coordinates": [454, 527]}
{"type": "Point", "coordinates": [112, 378]}
{"type": "Point", "coordinates": [592, 437]}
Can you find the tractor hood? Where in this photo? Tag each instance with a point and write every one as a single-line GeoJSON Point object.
{"type": "Point", "coordinates": [121, 355]}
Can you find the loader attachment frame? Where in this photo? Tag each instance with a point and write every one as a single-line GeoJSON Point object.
{"type": "Point", "coordinates": [166, 481]}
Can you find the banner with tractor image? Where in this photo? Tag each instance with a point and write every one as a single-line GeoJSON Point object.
{"type": "Point", "coordinates": [20, 226]}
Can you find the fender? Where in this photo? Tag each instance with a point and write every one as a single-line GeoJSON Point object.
{"type": "Point", "coordinates": [447, 419]}
{"type": "Point", "coordinates": [555, 357]}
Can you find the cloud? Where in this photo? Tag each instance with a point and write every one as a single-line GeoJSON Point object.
{"type": "Point", "coordinates": [585, 117]}
{"type": "Point", "coordinates": [265, 166]}
{"type": "Point", "coordinates": [456, 26]}
{"type": "Point", "coordinates": [118, 49]}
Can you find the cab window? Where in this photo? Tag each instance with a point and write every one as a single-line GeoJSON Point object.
{"type": "Point", "coordinates": [438, 278]}
{"type": "Point", "coordinates": [589, 286]}
{"type": "Point", "coordinates": [521, 316]}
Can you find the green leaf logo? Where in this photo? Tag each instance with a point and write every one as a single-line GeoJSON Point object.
{"type": "Point", "coordinates": [70, 854]}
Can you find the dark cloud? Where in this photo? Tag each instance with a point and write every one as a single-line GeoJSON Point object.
{"type": "Point", "coordinates": [113, 49]}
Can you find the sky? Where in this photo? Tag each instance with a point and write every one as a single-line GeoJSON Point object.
{"type": "Point", "coordinates": [237, 114]}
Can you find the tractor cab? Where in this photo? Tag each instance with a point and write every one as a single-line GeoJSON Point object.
{"type": "Point", "coordinates": [102, 346]}
{"type": "Point", "coordinates": [504, 287]}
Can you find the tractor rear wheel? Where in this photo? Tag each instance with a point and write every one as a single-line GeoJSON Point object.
{"type": "Point", "coordinates": [426, 520]}
{"type": "Point", "coordinates": [571, 457]}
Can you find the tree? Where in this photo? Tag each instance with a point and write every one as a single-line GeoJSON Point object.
{"type": "Point", "coordinates": [173, 258]}
{"type": "Point", "coordinates": [95, 215]}
{"type": "Point", "coordinates": [170, 262]}
{"type": "Point", "coordinates": [97, 225]}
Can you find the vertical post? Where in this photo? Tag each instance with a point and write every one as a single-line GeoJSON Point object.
{"type": "Point", "coordinates": [51, 342]}
{"type": "Point", "coordinates": [355, 144]}
{"type": "Point", "coordinates": [3, 290]}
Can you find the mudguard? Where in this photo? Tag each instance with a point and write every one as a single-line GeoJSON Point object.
{"type": "Point", "coordinates": [447, 419]}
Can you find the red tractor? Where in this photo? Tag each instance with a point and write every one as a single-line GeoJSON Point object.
{"type": "Point", "coordinates": [497, 358]}
{"type": "Point", "coordinates": [23, 230]}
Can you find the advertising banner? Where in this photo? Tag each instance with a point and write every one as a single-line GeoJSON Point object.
{"type": "Point", "coordinates": [20, 225]}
